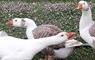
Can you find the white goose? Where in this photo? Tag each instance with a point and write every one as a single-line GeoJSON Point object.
{"type": "Point", "coordinates": [45, 31]}
{"type": "Point", "coordinates": [25, 23]}
{"type": "Point", "coordinates": [86, 25]}
{"type": "Point", "coordinates": [20, 49]}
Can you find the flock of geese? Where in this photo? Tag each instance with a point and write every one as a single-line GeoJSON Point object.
{"type": "Point", "coordinates": [48, 39]}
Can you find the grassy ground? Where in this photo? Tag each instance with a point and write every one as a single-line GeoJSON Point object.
{"type": "Point", "coordinates": [64, 15]}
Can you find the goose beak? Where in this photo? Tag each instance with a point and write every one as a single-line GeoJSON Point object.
{"type": "Point", "coordinates": [70, 35]}
{"type": "Point", "coordinates": [79, 7]}
{"type": "Point", "coordinates": [9, 23]}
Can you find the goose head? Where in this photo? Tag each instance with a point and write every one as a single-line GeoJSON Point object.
{"type": "Point", "coordinates": [17, 22]}
{"type": "Point", "coordinates": [59, 38]}
{"type": "Point", "coordinates": [21, 22]}
{"type": "Point", "coordinates": [64, 35]}
{"type": "Point", "coordinates": [67, 35]}
{"type": "Point", "coordinates": [83, 5]}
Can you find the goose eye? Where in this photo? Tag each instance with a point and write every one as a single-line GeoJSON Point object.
{"type": "Point", "coordinates": [62, 35]}
{"type": "Point", "coordinates": [15, 20]}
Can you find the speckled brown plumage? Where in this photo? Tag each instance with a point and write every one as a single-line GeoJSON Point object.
{"type": "Point", "coordinates": [46, 31]}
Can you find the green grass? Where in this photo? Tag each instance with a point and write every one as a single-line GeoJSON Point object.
{"type": "Point", "coordinates": [29, 1]}
{"type": "Point", "coordinates": [67, 18]}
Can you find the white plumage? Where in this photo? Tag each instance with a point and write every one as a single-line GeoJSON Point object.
{"type": "Point", "coordinates": [20, 49]}
{"type": "Point", "coordinates": [44, 31]}
{"type": "Point", "coordinates": [86, 25]}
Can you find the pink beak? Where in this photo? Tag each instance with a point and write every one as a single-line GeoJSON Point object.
{"type": "Point", "coordinates": [70, 34]}
{"type": "Point", "coordinates": [9, 23]}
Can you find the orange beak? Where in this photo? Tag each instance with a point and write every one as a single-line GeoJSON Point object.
{"type": "Point", "coordinates": [70, 35]}
{"type": "Point", "coordinates": [79, 7]}
{"type": "Point", "coordinates": [9, 23]}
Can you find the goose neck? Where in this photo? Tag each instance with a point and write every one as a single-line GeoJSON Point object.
{"type": "Point", "coordinates": [53, 40]}
{"type": "Point", "coordinates": [30, 26]}
{"type": "Point", "coordinates": [86, 19]}
{"type": "Point", "coordinates": [86, 36]}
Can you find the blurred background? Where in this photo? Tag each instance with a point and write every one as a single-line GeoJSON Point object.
{"type": "Point", "coordinates": [61, 13]}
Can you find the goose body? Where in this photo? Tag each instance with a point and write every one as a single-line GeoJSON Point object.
{"type": "Point", "coordinates": [45, 31]}
{"type": "Point", "coordinates": [63, 52]}
{"type": "Point", "coordinates": [20, 49]}
{"type": "Point", "coordinates": [86, 25]}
